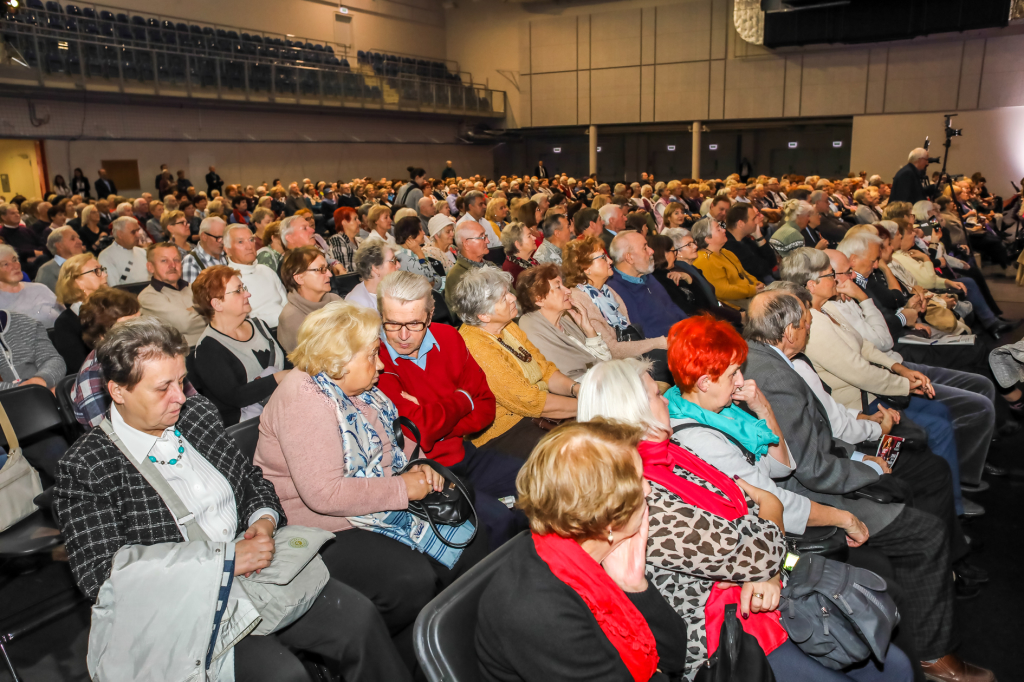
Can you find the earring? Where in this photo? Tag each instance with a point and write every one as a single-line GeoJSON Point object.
{"type": "Point", "coordinates": [611, 538]}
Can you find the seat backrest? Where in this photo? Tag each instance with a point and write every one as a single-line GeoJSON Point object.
{"type": "Point", "coordinates": [246, 435]}
{"type": "Point", "coordinates": [496, 255]}
{"type": "Point", "coordinates": [67, 407]}
{"type": "Point", "coordinates": [443, 636]}
{"type": "Point", "coordinates": [133, 288]}
{"type": "Point", "coordinates": [343, 284]}
{"type": "Point", "coordinates": [32, 410]}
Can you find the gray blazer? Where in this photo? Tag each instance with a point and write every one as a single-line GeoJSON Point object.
{"type": "Point", "coordinates": [47, 274]}
{"type": "Point", "coordinates": [824, 473]}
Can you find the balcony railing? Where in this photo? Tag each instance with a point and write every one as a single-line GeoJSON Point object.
{"type": "Point", "coordinates": [47, 49]}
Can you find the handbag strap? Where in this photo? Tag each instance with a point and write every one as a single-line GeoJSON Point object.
{"type": "Point", "coordinates": [747, 454]}
{"type": "Point", "coordinates": [9, 433]}
{"type": "Point", "coordinates": [182, 515]}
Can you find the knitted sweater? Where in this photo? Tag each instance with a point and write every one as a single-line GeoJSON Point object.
{"type": "Point", "coordinates": [725, 273]}
{"type": "Point", "coordinates": [444, 414]}
{"type": "Point", "coordinates": [294, 313]}
{"type": "Point", "coordinates": [516, 397]}
{"type": "Point", "coordinates": [26, 352]}
{"type": "Point", "coordinates": [173, 307]}
{"type": "Point", "coordinates": [654, 311]}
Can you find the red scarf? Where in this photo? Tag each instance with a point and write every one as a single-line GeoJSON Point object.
{"type": "Point", "coordinates": [621, 622]}
{"type": "Point", "coordinates": [659, 460]}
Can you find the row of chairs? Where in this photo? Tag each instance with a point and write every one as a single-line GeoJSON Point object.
{"type": "Point", "coordinates": [392, 65]}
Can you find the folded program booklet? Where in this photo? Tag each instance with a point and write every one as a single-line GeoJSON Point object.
{"type": "Point", "coordinates": [963, 340]}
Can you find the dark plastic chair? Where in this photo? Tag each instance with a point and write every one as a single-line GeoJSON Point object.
{"type": "Point", "coordinates": [443, 635]}
{"type": "Point", "coordinates": [246, 435]}
{"type": "Point", "coordinates": [134, 288]}
{"type": "Point", "coordinates": [343, 284]}
{"type": "Point", "coordinates": [496, 255]}
{"type": "Point", "coordinates": [67, 408]}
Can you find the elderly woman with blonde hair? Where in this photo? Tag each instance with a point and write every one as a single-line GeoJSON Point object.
{"type": "Point", "coordinates": [328, 444]}
{"type": "Point", "coordinates": [79, 278]}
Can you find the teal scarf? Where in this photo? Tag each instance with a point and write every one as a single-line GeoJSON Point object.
{"type": "Point", "coordinates": [753, 433]}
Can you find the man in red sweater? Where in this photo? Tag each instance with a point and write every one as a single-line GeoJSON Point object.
{"type": "Point", "coordinates": [433, 380]}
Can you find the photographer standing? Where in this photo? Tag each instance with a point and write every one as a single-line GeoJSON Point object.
{"type": "Point", "coordinates": [911, 182]}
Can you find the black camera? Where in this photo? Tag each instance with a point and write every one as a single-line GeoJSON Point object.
{"type": "Point", "coordinates": [933, 159]}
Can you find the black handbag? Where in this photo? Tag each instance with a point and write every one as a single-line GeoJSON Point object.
{"type": "Point", "coordinates": [452, 506]}
{"type": "Point", "coordinates": [738, 657]}
{"type": "Point", "coordinates": [828, 541]}
{"type": "Point", "coordinates": [886, 490]}
{"type": "Point", "coordinates": [629, 333]}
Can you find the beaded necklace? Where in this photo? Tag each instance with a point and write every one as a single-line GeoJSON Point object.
{"type": "Point", "coordinates": [181, 451]}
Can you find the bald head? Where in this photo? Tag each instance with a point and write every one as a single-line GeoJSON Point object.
{"type": "Point", "coordinates": [777, 317]}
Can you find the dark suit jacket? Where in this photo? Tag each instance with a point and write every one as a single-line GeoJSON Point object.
{"type": "Point", "coordinates": [607, 236]}
{"type": "Point", "coordinates": [888, 301]}
{"type": "Point", "coordinates": [213, 182]}
{"type": "Point", "coordinates": [104, 188]}
{"type": "Point", "coordinates": [103, 503]}
{"type": "Point", "coordinates": [350, 200]}
{"type": "Point", "coordinates": [293, 204]}
{"type": "Point", "coordinates": [908, 185]}
{"type": "Point", "coordinates": [534, 627]}
{"type": "Point", "coordinates": [757, 260]}
{"type": "Point", "coordinates": [823, 472]}
{"type": "Point", "coordinates": [833, 229]}
{"type": "Point", "coordinates": [540, 171]}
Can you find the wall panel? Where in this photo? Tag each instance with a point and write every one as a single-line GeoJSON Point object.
{"type": "Point", "coordinates": [615, 39]}
{"type": "Point", "coordinates": [615, 95]}
{"type": "Point", "coordinates": [754, 88]}
{"type": "Point", "coordinates": [683, 32]}
{"type": "Point", "coordinates": [1002, 80]}
{"type": "Point", "coordinates": [682, 91]}
{"type": "Point", "coordinates": [553, 45]}
{"type": "Point", "coordinates": [554, 99]}
{"type": "Point", "coordinates": [923, 77]}
{"type": "Point", "coordinates": [834, 83]}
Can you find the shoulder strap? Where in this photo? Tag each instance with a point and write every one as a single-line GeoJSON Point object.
{"type": "Point", "coordinates": [9, 433]}
{"type": "Point", "coordinates": [181, 513]}
{"type": "Point", "coordinates": [747, 454]}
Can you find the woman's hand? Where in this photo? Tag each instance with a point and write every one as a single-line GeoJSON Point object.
{"type": "Point", "coordinates": [626, 563]}
{"type": "Point", "coordinates": [677, 275]}
{"type": "Point", "coordinates": [770, 591]}
{"type": "Point", "coordinates": [411, 398]}
{"type": "Point", "coordinates": [959, 286]}
{"type": "Point", "coordinates": [918, 381]}
{"type": "Point", "coordinates": [750, 394]}
{"type": "Point", "coordinates": [256, 550]}
{"type": "Point", "coordinates": [856, 532]}
{"type": "Point", "coordinates": [920, 257]}
{"type": "Point", "coordinates": [582, 321]}
{"type": "Point", "coordinates": [338, 269]}
{"type": "Point", "coordinates": [420, 481]}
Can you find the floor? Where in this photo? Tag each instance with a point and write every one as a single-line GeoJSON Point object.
{"type": "Point", "coordinates": [56, 653]}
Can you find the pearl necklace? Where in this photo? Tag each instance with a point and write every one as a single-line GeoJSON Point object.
{"type": "Point", "coordinates": [181, 451]}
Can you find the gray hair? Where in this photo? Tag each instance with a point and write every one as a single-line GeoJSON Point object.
{"type": "Point", "coordinates": [816, 196]}
{"type": "Point", "coordinates": [369, 256]}
{"type": "Point", "coordinates": [6, 249]}
{"type": "Point", "coordinates": [676, 234]}
{"type": "Point", "coordinates": [803, 265]}
{"type": "Point", "coordinates": [701, 232]}
{"type": "Point", "coordinates": [288, 225]}
{"type": "Point", "coordinates": [607, 211]}
{"type": "Point", "coordinates": [208, 224]}
{"type": "Point", "coordinates": [767, 323]}
{"type": "Point", "coordinates": [821, 184]}
{"type": "Point", "coordinates": [615, 390]}
{"type": "Point", "coordinates": [890, 226]}
{"type": "Point", "coordinates": [619, 246]}
{"type": "Point", "coordinates": [405, 287]}
{"type": "Point", "coordinates": [875, 180]}
{"type": "Point", "coordinates": [795, 208]}
{"type": "Point", "coordinates": [124, 209]}
{"type": "Point", "coordinates": [471, 195]}
{"type": "Point", "coordinates": [478, 292]}
{"type": "Point", "coordinates": [56, 236]}
{"type": "Point", "coordinates": [921, 209]}
{"type": "Point", "coordinates": [800, 292]}
{"type": "Point", "coordinates": [511, 236]}
{"type": "Point", "coordinates": [858, 244]}
{"type": "Point", "coordinates": [139, 202]}
{"type": "Point", "coordinates": [234, 226]}
{"type": "Point", "coordinates": [129, 345]}
{"type": "Point", "coordinates": [122, 222]}
{"type": "Point", "coordinates": [405, 213]}
{"type": "Point", "coordinates": [462, 229]}
{"type": "Point", "coordinates": [917, 155]}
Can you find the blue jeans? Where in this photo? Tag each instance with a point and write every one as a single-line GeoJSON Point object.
{"type": "Point", "coordinates": [791, 664]}
{"type": "Point", "coordinates": [981, 309]}
{"type": "Point", "coordinates": [935, 419]}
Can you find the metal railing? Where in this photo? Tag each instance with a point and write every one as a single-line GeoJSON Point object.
{"type": "Point", "coordinates": [204, 65]}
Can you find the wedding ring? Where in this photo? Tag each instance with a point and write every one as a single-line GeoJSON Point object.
{"type": "Point", "coordinates": [759, 596]}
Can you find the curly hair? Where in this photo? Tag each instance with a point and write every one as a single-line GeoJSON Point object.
{"type": "Point", "coordinates": [210, 284]}
{"type": "Point", "coordinates": [535, 284]}
{"type": "Point", "coordinates": [577, 256]}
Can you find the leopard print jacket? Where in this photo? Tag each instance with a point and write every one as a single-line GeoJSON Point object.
{"type": "Point", "coordinates": [689, 550]}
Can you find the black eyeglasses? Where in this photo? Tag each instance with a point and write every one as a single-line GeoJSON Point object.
{"type": "Point", "coordinates": [98, 271]}
{"type": "Point", "coordinates": [411, 326]}
{"type": "Point", "coordinates": [831, 274]}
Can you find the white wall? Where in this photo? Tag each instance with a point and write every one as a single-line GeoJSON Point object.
{"type": "Point", "coordinates": [992, 142]}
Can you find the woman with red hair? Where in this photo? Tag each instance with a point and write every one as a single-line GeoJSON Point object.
{"type": "Point", "coordinates": [343, 245]}
{"type": "Point", "coordinates": [704, 357]}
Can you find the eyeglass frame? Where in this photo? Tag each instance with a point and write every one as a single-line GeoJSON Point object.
{"type": "Point", "coordinates": [100, 268]}
{"type": "Point", "coordinates": [407, 325]}
{"type": "Point", "coordinates": [241, 288]}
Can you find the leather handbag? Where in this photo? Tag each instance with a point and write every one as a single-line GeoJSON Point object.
{"type": "Point", "coordinates": [738, 657]}
{"type": "Point", "coordinates": [451, 506]}
{"type": "Point", "coordinates": [19, 482]}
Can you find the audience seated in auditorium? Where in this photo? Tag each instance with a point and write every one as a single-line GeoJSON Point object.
{"type": "Point", "coordinates": [378, 224]}
{"type": "Point", "coordinates": [144, 364]}
{"type": "Point", "coordinates": [678, 284]}
{"type": "Point", "coordinates": [63, 243]}
{"type": "Point", "coordinates": [471, 242]}
{"type": "Point", "coordinates": [267, 296]}
{"type": "Point", "coordinates": [411, 237]}
{"type": "Point", "coordinates": [557, 233]}
{"type": "Point", "coordinates": [238, 364]}
{"type": "Point", "coordinates": [99, 313]}
{"type": "Point", "coordinates": [654, 312]}
{"type": "Point", "coordinates": [168, 297]}
{"type": "Point", "coordinates": [554, 325]}
{"type": "Point", "coordinates": [703, 291]}
{"type": "Point", "coordinates": [82, 277]}
{"type": "Point", "coordinates": [328, 446]}
{"type": "Point", "coordinates": [124, 259]}
{"type": "Point", "coordinates": [744, 238]}
{"type": "Point", "coordinates": [432, 379]}
{"type": "Point", "coordinates": [587, 223]}
{"type": "Point", "coordinates": [531, 394]}
{"type": "Point", "coordinates": [718, 205]}
{"type": "Point", "coordinates": [208, 252]}
{"type": "Point", "coordinates": [28, 298]}
{"type": "Point", "coordinates": [440, 244]}
{"type": "Point", "coordinates": [740, 542]}
{"type": "Point", "coordinates": [177, 230]}
{"type": "Point", "coordinates": [734, 286]}
{"type": "Point", "coordinates": [307, 278]}
{"type": "Point", "coordinates": [375, 260]}
{"type": "Point", "coordinates": [519, 244]}
{"type": "Point", "coordinates": [571, 601]}
{"type": "Point", "coordinates": [614, 220]}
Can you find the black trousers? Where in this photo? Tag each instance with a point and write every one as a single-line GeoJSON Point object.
{"type": "Point", "coordinates": [931, 481]}
{"type": "Point", "coordinates": [917, 547]}
{"type": "Point", "coordinates": [342, 628]}
{"type": "Point", "coordinates": [492, 476]}
{"type": "Point", "coordinates": [399, 580]}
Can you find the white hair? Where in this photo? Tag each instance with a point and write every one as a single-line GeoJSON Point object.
{"type": "Point", "coordinates": [288, 225]}
{"type": "Point", "coordinates": [615, 390]}
{"type": "Point", "coordinates": [405, 213]}
{"type": "Point", "coordinates": [234, 226]}
{"type": "Point", "coordinates": [139, 202]}
{"type": "Point", "coordinates": [209, 223]}
{"type": "Point", "coordinates": [921, 210]}
{"type": "Point", "coordinates": [619, 246]}
{"type": "Point", "coordinates": [122, 222]}
{"type": "Point", "coordinates": [478, 292]}
{"type": "Point", "coordinates": [607, 211]}
{"type": "Point", "coordinates": [124, 209]}
{"type": "Point", "coordinates": [405, 287]}
{"type": "Point", "coordinates": [917, 155]}
{"type": "Point", "coordinates": [676, 234]}
{"type": "Point", "coordinates": [858, 244]}
{"type": "Point", "coordinates": [56, 236]}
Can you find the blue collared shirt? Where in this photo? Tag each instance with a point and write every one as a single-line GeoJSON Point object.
{"type": "Point", "coordinates": [642, 279]}
{"type": "Point", "coordinates": [782, 355]}
{"type": "Point", "coordinates": [420, 360]}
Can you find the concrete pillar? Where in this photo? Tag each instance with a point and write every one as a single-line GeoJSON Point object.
{"type": "Point", "coordinates": [695, 161]}
{"type": "Point", "coordinates": [593, 149]}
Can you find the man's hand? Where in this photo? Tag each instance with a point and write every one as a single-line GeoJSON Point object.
{"type": "Point", "coordinates": [920, 256]}
{"type": "Point", "coordinates": [759, 287]}
{"type": "Point", "coordinates": [879, 461]}
{"type": "Point", "coordinates": [38, 381]}
{"type": "Point", "coordinates": [856, 532]}
{"type": "Point", "coordinates": [959, 286]}
{"type": "Point", "coordinates": [923, 328]}
{"type": "Point", "coordinates": [850, 290]}
{"type": "Point", "coordinates": [822, 244]}
{"type": "Point", "coordinates": [911, 315]}
{"type": "Point", "coordinates": [917, 379]}
{"type": "Point", "coordinates": [338, 269]}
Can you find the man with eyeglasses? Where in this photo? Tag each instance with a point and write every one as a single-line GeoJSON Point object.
{"type": "Point", "coordinates": [209, 251]}
{"type": "Point", "coordinates": [63, 243]}
{"type": "Point", "coordinates": [433, 380]}
{"type": "Point", "coordinates": [268, 296]}
{"type": "Point", "coordinates": [471, 241]}
{"type": "Point", "coordinates": [168, 297]}
{"type": "Point", "coordinates": [125, 260]}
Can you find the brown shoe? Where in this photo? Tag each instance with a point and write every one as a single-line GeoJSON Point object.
{"type": "Point", "coordinates": [950, 668]}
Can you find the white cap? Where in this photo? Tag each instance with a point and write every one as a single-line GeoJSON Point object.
{"type": "Point", "coordinates": [438, 223]}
